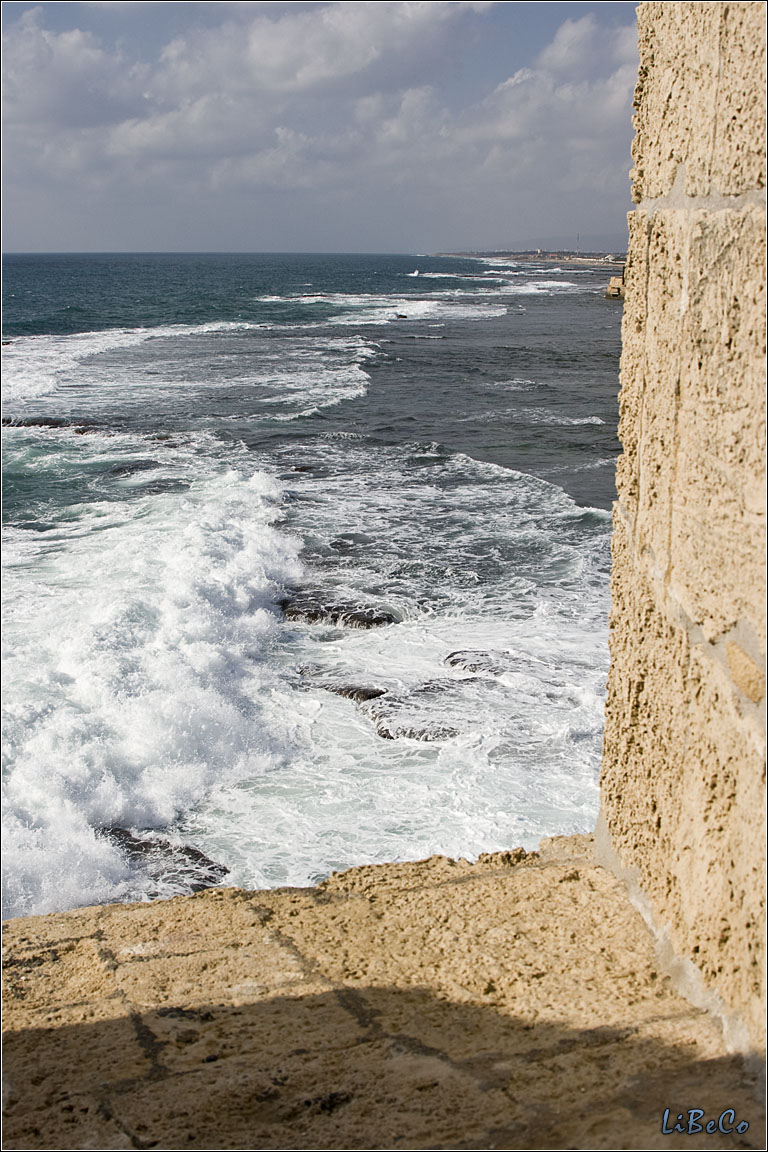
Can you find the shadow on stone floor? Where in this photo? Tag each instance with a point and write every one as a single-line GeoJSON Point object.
{"type": "Point", "coordinates": [361, 1068]}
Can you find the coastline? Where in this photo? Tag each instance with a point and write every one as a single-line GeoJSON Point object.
{"type": "Point", "coordinates": [534, 258]}
{"type": "Point", "coordinates": [516, 1002]}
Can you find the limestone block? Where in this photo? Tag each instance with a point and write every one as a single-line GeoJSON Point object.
{"type": "Point", "coordinates": [723, 774]}
{"type": "Point", "coordinates": [632, 359]}
{"type": "Point", "coordinates": [35, 1059]}
{"type": "Point", "coordinates": [715, 575]}
{"type": "Point", "coordinates": [57, 981]}
{"type": "Point", "coordinates": [180, 926]}
{"type": "Point", "coordinates": [700, 99]}
{"type": "Point", "coordinates": [682, 786]}
{"type": "Point", "coordinates": [717, 528]}
{"type": "Point", "coordinates": [725, 313]}
{"type": "Point", "coordinates": [69, 1121]}
{"type": "Point", "coordinates": [745, 673]}
{"type": "Point", "coordinates": [692, 476]}
{"type": "Point", "coordinates": [738, 160]}
{"type": "Point", "coordinates": [645, 731]}
{"type": "Point", "coordinates": [191, 1038]}
{"type": "Point", "coordinates": [229, 975]}
{"type": "Point", "coordinates": [657, 448]}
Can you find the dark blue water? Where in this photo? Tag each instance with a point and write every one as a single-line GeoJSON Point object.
{"type": "Point", "coordinates": [193, 443]}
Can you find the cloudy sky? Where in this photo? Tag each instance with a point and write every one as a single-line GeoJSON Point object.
{"type": "Point", "coordinates": [328, 126]}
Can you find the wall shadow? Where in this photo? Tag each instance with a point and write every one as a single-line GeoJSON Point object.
{"type": "Point", "coordinates": [356, 1068]}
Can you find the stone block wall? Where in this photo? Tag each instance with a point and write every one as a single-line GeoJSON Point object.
{"type": "Point", "coordinates": [684, 755]}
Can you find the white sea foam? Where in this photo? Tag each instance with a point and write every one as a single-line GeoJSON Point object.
{"type": "Point", "coordinates": [90, 372]}
{"type": "Point", "coordinates": [152, 680]}
{"type": "Point", "coordinates": [546, 416]}
{"type": "Point", "coordinates": [368, 308]}
{"type": "Point", "coordinates": [547, 287]}
{"type": "Point", "coordinates": [516, 384]}
{"type": "Point", "coordinates": [524, 756]}
{"type": "Point", "coordinates": [34, 366]}
{"type": "Point", "coordinates": [481, 277]}
{"type": "Point", "coordinates": [153, 683]}
{"type": "Point", "coordinates": [137, 638]}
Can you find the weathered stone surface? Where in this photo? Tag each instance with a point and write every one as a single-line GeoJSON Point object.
{"type": "Point", "coordinates": [683, 782]}
{"type": "Point", "coordinates": [684, 749]}
{"type": "Point", "coordinates": [745, 673]}
{"type": "Point", "coordinates": [515, 1003]}
{"type": "Point", "coordinates": [700, 99]}
{"type": "Point", "coordinates": [692, 474]}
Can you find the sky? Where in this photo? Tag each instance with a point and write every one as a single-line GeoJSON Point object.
{"type": "Point", "coordinates": [346, 126]}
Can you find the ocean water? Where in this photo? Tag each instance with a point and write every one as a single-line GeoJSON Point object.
{"type": "Point", "coordinates": [217, 468]}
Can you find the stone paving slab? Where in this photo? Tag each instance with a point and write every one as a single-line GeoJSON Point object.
{"type": "Point", "coordinates": [512, 1003]}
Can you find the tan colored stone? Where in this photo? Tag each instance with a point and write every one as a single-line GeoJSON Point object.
{"type": "Point", "coordinates": [39, 1061]}
{"type": "Point", "coordinates": [684, 748]}
{"type": "Point", "coordinates": [74, 1120]}
{"type": "Point", "coordinates": [58, 978]}
{"type": "Point", "coordinates": [514, 1002]}
{"type": "Point", "coordinates": [682, 789]}
{"type": "Point", "coordinates": [700, 98]}
{"type": "Point", "coordinates": [180, 926]}
{"type": "Point", "coordinates": [747, 677]}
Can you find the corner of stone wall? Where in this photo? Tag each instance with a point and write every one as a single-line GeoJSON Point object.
{"type": "Point", "coordinates": [683, 779]}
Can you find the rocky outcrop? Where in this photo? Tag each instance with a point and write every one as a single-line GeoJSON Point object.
{"type": "Point", "coordinates": [318, 606]}
{"type": "Point", "coordinates": [512, 1003]}
{"type": "Point", "coordinates": [684, 754]}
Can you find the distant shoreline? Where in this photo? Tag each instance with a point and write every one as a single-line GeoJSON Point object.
{"type": "Point", "coordinates": [543, 258]}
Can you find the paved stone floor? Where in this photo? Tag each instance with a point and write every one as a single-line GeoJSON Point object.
{"type": "Point", "coordinates": [512, 1003]}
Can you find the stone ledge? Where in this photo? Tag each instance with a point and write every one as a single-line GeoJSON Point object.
{"type": "Point", "coordinates": [513, 1003]}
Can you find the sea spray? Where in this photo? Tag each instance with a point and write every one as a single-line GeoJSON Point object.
{"type": "Point", "coordinates": [194, 443]}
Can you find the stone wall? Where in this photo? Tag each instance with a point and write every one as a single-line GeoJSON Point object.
{"type": "Point", "coordinates": [684, 754]}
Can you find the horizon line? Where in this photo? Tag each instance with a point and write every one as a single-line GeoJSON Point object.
{"type": "Point", "coordinates": [532, 250]}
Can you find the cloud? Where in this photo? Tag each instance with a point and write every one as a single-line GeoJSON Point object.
{"type": "Point", "coordinates": [349, 99]}
{"type": "Point", "coordinates": [336, 46]}
{"type": "Point", "coordinates": [65, 80]}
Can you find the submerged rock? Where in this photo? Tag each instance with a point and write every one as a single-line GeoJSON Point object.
{"type": "Point", "coordinates": [393, 730]}
{"type": "Point", "coordinates": [357, 692]}
{"type": "Point", "coordinates": [474, 661]}
{"type": "Point", "coordinates": [129, 467]}
{"type": "Point", "coordinates": [168, 865]}
{"type": "Point", "coordinates": [407, 716]}
{"type": "Point", "coordinates": [79, 426]}
{"type": "Point", "coordinates": [394, 716]}
{"type": "Point", "coordinates": [316, 606]}
{"type": "Point", "coordinates": [314, 676]}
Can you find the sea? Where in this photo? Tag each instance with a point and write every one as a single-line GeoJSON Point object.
{"type": "Point", "coordinates": [305, 564]}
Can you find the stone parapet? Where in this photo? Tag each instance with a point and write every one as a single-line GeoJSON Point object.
{"type": "Point", "coordinates": [684, 752]}
{"type": "Point", "coordinates": [700, 99]}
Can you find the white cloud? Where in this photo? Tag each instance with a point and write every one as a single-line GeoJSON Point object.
{"type": "Point", "coordinates": [311, 50]}
{"type": "Point", "coordinates": [65, 80]}
{"type": "Point", "coordinates": [342, 97]}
